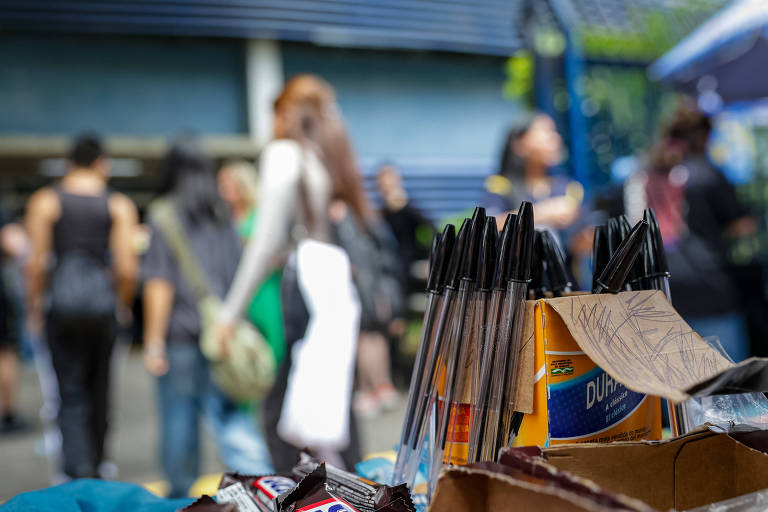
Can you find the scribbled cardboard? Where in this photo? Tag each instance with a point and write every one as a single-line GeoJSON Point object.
{"type": "Point", "coordinates": [641, 340]}
{"type": "Point", "coordinates": [601, 362]}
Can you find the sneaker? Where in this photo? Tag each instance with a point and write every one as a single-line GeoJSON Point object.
{"type": "Point", "coordinates": [366, 405]}
{"type": "Point", "coordinates": [388, 397]}
{"type": "Point", "coordinates": [13, 423]}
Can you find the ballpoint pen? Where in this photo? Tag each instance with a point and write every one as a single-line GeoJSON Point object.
{"type": "Point", "coordinates": [538, 287]}
{"type": "Point", "coordinates": [653, 274]}
{"type": "Point", "coordinates": [617, 232]}
{"type": "Point", "coordinates": [492, 331]}
{"type": "Point", "coordinates": [467, 379]}
{"type": "Point", "coordinates": [441, 251]}
{"type": "Point", "coordinates": [556, 271]}
{"type": "Point", "coordinates": [422, 403]}
{"type": "Point", "coordinates": [454, 353]}
{"type": "Point", "coordinates": [517, 292]}
{"type": "Point", "coordinates": [655, 270]}
{"type": "Point", "coordinates": [601, 253]}
{"type": "Point", "coordinates": [614, 276]}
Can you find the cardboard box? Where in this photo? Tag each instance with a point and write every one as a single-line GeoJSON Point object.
{"type": "Point", "coordinates": [597, 365]}
{"type": "Point", "coordinates": [467, 489]}
{"type": "Point", "coordinates": [689, 471]}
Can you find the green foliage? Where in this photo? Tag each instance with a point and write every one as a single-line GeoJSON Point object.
{"type": "Point", "coordinates": [519, 83]}
{"type": "Point", "coordinates": [653, 30]}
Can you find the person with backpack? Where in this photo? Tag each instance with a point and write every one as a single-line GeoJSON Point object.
{"type": "Point", "coordinates": [377, 274]}
{"type": "Point", "coordinates": [191, 260]}
{"type": "Point", "coordinates": [699, 215]}
{"type": "Point", "coordinates": [81, 271]}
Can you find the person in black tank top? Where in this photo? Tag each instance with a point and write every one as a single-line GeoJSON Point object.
{"type": "Point", "coordinates": [83, 226]}
{"type": "Point", "coordinates": [81, 264]}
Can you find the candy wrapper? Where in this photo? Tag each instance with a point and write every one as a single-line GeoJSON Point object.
{"type": "Point", "coordinates": [253, 493]}
{"type": "Point", "coordinates": [207, 504]}
{"type": "Point", "coordinates": [366, 495]}
{"type": "Point", "coordinates": [312, 494]}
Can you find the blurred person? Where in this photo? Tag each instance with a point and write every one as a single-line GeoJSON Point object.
{"type": "Point", "coordinates": [308, 163]}
{"type": "Point", "coordinates": [698, 212]}
{"type": "Point", "coordinates": [172, 326]}
{"type": "Point", "coordinates": [531, 149]}
{"type": "Point", "coordinates": [377, 275]}
{"type": "Point", "coordinates": [238, 186]}
{"type": "Point", "coordinates": [14, 245]}
{"type": "Point", "coordinates": [412, 230]}
{"type": "Point", "coordinates": [83, 268]}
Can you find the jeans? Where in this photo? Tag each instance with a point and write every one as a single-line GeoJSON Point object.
{"type": "Point", "coordinates": [81, 355]}
{"type": "Point", "coordinates": [186, 392]}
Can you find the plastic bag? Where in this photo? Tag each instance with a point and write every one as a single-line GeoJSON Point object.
{"type": "Point", "coordinates": [726, 411]}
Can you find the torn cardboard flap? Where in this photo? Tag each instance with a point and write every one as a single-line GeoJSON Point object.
{"type": "Point", "coordinates": [690, 471]}
{"type": "Point", "coordinates": [640, 340]}
{"type": "Point", "coordinates": [525, 372]}
{"type": "Point", "coordinates": [463, 489]}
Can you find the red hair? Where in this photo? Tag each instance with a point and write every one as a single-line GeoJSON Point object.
{"type": "Point", "coordinates": [308, 103]}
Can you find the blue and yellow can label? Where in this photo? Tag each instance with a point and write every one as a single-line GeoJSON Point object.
{"type": "Point", "coordinates": [576, 401]}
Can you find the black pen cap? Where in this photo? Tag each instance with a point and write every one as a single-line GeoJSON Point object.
{"type": "Point", "coordinates": [435, 246]}
{"type": "Point", "coordinates": [614, 275]}
{"type": "Point", "coordinates": [432, 255]}
{"type": "Point", "coordinates": [472, 247]}
{"type": "Point", "coordinates": [556, 269]}
{"type": "Point", "coordinates": [655, 258]}
{"type": "Point", "coordinates": [486, 262]}
{"type": "Point", "coordinates": [618, 229]}
{"type": "Point", "coordinates": [523, 244]}
{"type": "Point", "coordinates": [600, 252]}
{"type": "Point", "coordinates": [500, 272]}
{"type": "Point", "coordinates": [452, 275]}
{"type": "Point", "coordinates": [538, 265]}
{"type": "Point", "coordinates": [439, 266]}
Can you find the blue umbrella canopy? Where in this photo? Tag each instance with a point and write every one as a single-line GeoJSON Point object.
{"type": "Point", "coordinates": [725, 59]}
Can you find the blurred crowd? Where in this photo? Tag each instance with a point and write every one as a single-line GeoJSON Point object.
{"type": "Point", "coordinates": [293, 246]}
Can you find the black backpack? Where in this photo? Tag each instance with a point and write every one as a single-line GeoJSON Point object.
{"type": "Point", "coordinates": [376, 271]}
{"type": "Point", "coordinates": [81, 289]}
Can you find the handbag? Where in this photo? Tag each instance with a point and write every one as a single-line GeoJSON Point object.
{"type": "Point", "coordinates": [247, 371]}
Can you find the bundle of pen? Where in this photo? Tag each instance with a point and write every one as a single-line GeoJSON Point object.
{"type": "Point", "coordinates": [649, 272]}
{"type": "Point", "coordinates": [627, 258]}
{"type": "Point", "coordinates": [461, 396]}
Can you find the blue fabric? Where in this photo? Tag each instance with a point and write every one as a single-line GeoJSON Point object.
{"type": "Point", "coordinates": [92, 496]}
{"type": "Point", "coordinates": [185, 393]}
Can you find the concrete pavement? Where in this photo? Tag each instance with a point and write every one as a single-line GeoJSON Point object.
{"type": "Point", "coordinates": [23, 466]}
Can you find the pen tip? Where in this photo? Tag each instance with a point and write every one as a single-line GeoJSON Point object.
{"type": "Point", "coordinates": [523, 238]}
{"type": "Point", "coordinates": [439, 264]}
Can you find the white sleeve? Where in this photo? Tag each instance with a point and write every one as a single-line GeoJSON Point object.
{"type": "Point", "coordinates": [277, 202]}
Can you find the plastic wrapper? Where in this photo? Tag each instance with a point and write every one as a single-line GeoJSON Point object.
{"type": "Point", "coordinates": [208, 504]}
{"type": "Point", "coordinates": [364, 495]}
{"type": "Point", "coordinates": [727, 410]}
{"type": "Point", "coordinates": [253, 493]}
{"type": "Point", "coordinates": [753, 502]}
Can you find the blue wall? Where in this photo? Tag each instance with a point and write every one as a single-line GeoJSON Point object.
{"type": "Point", "coordinates": [62, 84]}
{"type": "Point", "coordinates": [440, 116]}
